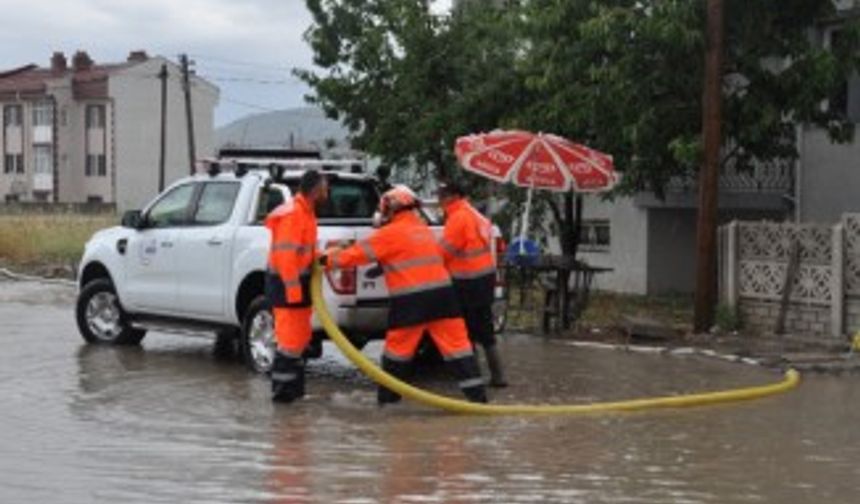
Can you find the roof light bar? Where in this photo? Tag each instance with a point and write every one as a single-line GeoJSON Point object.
{"type": "Point", "coordinates": [240, 166]}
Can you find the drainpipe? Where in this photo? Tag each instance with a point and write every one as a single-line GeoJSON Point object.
{"type": "Point", "coordinates": [110, 135]}
{"type": "Point", "coordinates": [55, 150]}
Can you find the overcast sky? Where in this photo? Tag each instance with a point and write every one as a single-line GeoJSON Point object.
{"type": "Point", "coordinates": [246, 47]}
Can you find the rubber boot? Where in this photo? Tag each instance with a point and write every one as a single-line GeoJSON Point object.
{"type": "Point", "coordinates": [397, 369]}
{"type": "Point", "coordinates": [494, 363]}
{"type": "Point", "coordinates": [469, 378]}
{"type": "Point", "coordinates": [288, 378]}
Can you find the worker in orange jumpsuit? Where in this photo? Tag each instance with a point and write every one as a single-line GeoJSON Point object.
{"type": "Point", "coordinates": [467, 244]}
{"type": "Point", "coordinates": [294, 236]}
{"type": "Point", "coordinates": [422, 296]}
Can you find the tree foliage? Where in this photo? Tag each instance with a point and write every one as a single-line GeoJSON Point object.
{"type": "Point", "coordinates": [626, 77]}
{"type": "Point", "coordinates": [622, 76]}
{"type": "Point", "coordinates": [407, 82]}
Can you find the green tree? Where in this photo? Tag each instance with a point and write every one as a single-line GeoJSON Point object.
{"type": "Point", "coordinates": [622, 76]}
{"type": "Point", "coordinates": [407, 82]}
{"type": "Point", "coordinates": [625, 77]}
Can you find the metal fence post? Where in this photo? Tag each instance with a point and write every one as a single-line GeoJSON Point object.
{"type": "Point", "coordinates": [837, 301]}
{"type": "Point", "coordinates": [732, 265]}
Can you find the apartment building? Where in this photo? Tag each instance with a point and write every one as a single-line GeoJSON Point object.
{"type": "Point", "coordinates": [89, 132]}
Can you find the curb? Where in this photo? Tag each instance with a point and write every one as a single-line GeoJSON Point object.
{"type": "Point", "coordinates": [681, 351]}
{"type": "Point", "coordinates": [840, 363]}
{"type": "Point", "coordinates": [19, 277]}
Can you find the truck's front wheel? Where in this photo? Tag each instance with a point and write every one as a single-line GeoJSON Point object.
{"type": "Point", "coordinates": [100, 316]}
{"type": "Point", "coordinates": [258, 336]}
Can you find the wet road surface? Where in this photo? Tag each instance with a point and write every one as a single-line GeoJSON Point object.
{"type": "Point", "coordinates": [168, 422]}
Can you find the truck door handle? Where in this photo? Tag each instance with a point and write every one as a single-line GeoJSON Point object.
{"type": "Point", "coordinates": [214, 241]}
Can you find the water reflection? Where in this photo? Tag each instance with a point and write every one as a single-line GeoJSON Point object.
{"type": "Point", "coordinates": [289, 478]}
{"type": "Point", "coordinates": [169, 423]}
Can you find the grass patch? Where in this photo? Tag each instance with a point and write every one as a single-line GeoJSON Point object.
{"type": "Point", "coordinates": [606, 310]}
{"type": "Point", "coordinates": [48, 238]}
{"type": "Point", "coordinates": [609, 309]}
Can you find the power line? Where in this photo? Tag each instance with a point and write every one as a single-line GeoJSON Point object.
{"type": "Point", "coordinates": [250, 105]}
{"type": "Point", "coordinates": [242, 63]}
{"type": "Point", "coordinates": [251, 80]}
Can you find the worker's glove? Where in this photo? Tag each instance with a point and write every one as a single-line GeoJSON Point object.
{"type": "Point", "coordinates": [325, 258]}
{"type": "Point", "coordinates": [374, 272]}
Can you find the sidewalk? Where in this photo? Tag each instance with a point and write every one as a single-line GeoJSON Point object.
{"type": "Point", "coordinates": [804, 353]}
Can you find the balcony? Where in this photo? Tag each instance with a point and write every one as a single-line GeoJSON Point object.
{"type": "Point", "coordinates": [43, 182]}
{"type": "Point", "coordinates": [42, 135]}
{"type": "Point", "coordinates": [768, 186]}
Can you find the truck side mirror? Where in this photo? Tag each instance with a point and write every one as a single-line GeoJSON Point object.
{"type": "Point", "coordinates": [133, 219]}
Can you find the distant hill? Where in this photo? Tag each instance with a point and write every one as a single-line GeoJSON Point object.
{"type": "Point", "coordinates": [299, 128]}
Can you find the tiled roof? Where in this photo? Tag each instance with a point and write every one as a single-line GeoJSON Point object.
{"type": "Point", "coordinates": [32, 80]}
{"type": "Point", "coordinates": [25, 79]}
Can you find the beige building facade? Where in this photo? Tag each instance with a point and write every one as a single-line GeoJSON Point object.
{"type": "Point", "coordinates": [87, 132]}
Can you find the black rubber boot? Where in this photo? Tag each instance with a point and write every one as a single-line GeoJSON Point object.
{"type": "Point", "coordinates": [469, 378]}
{"type": "Point", "coordinates": [399, 370]}
{"type": "Point", "coordinates": [288, 378]}
{"type": "Point", "coordinates": [494, 363]}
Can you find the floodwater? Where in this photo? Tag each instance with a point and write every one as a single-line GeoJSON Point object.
{"type": "Point", "coordinates": [168, 422]}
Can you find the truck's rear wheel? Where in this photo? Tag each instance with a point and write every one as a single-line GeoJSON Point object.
{"type": "Point", "coordinates": [100, 317]}
{"type": "Point", "coordinates": [258, 343]}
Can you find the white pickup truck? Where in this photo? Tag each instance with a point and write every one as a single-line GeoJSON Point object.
{"type": "Point", "coordinates": [194, 260]}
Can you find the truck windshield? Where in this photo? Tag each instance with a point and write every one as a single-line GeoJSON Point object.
{"type": "Point", "coordinates": [348, 199]}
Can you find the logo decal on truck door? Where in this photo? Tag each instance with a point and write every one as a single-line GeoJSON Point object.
{"type": "Point", "coordinates": [148, 249]}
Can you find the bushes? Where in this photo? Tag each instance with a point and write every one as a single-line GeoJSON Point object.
{"type": "Point", "coordinates": [726, 319]}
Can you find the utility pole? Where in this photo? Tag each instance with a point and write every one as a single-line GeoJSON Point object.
{"type": "Point", "coordinates": [189, 117]}
{"type": "Point", "coordinates": [162, 160]}
{"type": "Point", "coordinates": [706, 236]}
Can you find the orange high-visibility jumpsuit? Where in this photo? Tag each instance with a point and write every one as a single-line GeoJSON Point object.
{"type": "Point", "coordinates": [294, 235]}
{"type": "Point", "coordinates": [422, 298]}
{"type": "Point", "coordinates": [467, 247]}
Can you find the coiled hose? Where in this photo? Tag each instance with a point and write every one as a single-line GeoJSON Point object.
{"type": "Point", "coordinates": [790, 380]}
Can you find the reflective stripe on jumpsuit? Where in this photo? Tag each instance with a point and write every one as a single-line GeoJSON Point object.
{"type": "Point", "coordinates": [294, 234]}
{"type": "Point", "coordinates": [422, 298]}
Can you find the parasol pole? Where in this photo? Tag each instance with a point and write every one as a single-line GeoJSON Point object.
{"type": "Point", "coordinates": [523, 158]}
{"type": "Point", "coordinates": [525, 223]}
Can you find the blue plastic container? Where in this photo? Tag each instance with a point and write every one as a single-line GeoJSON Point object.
{"type": "Point", "coordinates": [527, 255]}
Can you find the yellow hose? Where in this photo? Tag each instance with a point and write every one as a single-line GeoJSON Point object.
{"type": "Point", "coordinates": [792, 378]}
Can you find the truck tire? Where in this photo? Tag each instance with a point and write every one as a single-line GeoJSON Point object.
{"type": "Point", "coordinates": [227, 345]}
{"type": "Point", "coordinates": [101, 318]}
{"type": "Point", "coordinates": [257, 341]}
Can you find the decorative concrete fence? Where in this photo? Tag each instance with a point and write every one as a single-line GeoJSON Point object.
{"type": "Point", "coordinates": [820, 263]}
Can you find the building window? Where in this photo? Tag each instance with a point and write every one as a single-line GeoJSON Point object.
{"type": "Point", "coordinates": [594, 236]}
{"type": "Point", "coordinates": [95, 116]}
{"type": "Point", "coordinates": [13, 163]}
{"type": "Point", "coordinates": [43, 114]}
{"type": "Point", "coordinates": [43, 159]}
{"type": "Point", "coordinates": [11, 116]}
{"type": "Point", "coordinates": [94, 199]}
{"type": "Point", "coordinates": [96, 165]}
{"type": "Point", "coordinates": [11, 198]}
